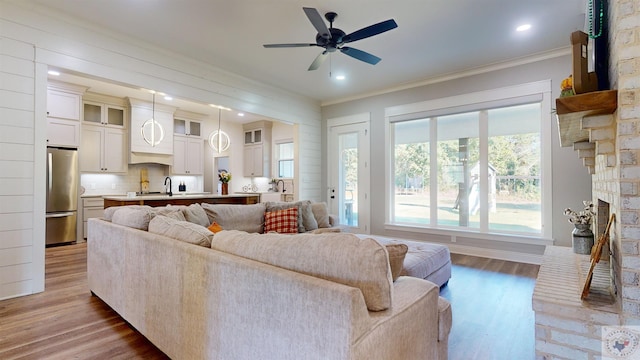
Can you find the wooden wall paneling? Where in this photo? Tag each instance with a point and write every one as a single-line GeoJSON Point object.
{"type": "Point", "coordinates": [16, 238]}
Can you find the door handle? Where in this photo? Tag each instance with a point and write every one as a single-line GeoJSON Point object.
{"type": "Point", "coordinates": [59, 215]}
{"type": "Point", "coordinates": [49, 169]}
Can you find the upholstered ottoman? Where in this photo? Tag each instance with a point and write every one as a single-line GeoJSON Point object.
{"type": "Point", "coordinates": [423, 260]}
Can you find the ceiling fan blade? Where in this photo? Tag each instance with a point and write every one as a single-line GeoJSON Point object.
{"type": "Point", "coordinates": [318, 61]}
{"type": "Point", "coordinates": [288, 45]}
{"type": "Point", "coordinates": [317, 22]}
{"type": "Point", "coordinates": [369, 31]}
{"type": "Point", "coordinates": [360, 55]}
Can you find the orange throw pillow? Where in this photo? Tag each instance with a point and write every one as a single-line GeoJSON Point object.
{"type": "Point", "coordinates": [215, 227]}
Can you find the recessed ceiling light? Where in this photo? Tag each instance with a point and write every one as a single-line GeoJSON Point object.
{"type": "Point", "coordinates": [169, 98]}
{"type": "Point", "coordinates": [523, 27]}
{"type": "Point", "coordinates": [240, 114]}
{"type": "Point", "coordinates": [340, 77]}
{"type": "Point", "coordinates": [53, 73]}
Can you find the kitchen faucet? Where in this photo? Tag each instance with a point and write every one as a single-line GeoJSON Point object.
{"type": "Point", "coordinates": [165, 186]}
{"type": "Point", "coordinates": [278, 184]}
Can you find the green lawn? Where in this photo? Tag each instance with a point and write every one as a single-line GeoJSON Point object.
{"type": "Point", "coordinates": [510, 215]}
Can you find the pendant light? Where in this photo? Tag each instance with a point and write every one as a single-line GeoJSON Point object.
{"type": "Point", "coordinates": [148, 129]}
{"type": "Point", "coordinates": [219, 140]}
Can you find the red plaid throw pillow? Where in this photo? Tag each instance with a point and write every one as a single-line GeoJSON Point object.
{"type": "Point", "coordinates": [282, 221]}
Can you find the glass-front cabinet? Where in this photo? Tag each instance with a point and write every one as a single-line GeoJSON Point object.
{"type": "Point", "coordinates": [253, 136]}
{"type": "Point", "coordinates": [186, 127]}
{"type": "Point", "coordinates": [105, 114]}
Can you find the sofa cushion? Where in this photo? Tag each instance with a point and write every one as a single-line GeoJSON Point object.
{"type": "Point", "coordinates": [321, 214]}
{"type": "Point", "coordinates": [339, 257]}
{"type": "Point", "coordinates": [423, 260]}
{"type": "Point", "coordinates": [397, 253]}
{"type": "Point", "coordinates": [249, 218]}
{"type": "Point", "coordinates": [133, 216]}
{"type": "Point", "coordinates": [281, 221]}
{"type": "Point", "coordinates": [306, 220]}
{"type": "Point", "coordinates": [181, 230]}
{"type": "Point", "coordinates": [195, 213]}
{"type": "Point", "coordinates": [272, 206]}
{"type": "Point", "coordinates": [170, 211]}
{"type": "Point", "coordinates": [108, 212]}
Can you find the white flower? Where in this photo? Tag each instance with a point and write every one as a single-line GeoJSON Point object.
{"type": "Point", "coordinates": [583, 217]}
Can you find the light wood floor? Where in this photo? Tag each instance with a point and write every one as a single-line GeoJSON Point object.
{"type": "Point", "coordinates": [492, 314]}
{"type": "Point", "coordinates": [491, 300]}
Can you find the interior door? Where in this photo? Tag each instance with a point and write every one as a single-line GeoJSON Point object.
{"type": "Point", "coordinates": [348, 175]}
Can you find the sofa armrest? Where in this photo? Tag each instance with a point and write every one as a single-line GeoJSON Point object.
{"type": "Point", "coordinates": [444, 326]}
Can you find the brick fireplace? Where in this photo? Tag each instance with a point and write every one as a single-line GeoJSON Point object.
{"type": "Point", "coordinates": [566, 327]}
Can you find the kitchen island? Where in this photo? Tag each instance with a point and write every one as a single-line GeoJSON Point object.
{"type": "Point", "coordinates": [181, 199]}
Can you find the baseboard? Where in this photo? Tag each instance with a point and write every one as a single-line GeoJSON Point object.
{"type": "Point", "coordinates": [496, 254]}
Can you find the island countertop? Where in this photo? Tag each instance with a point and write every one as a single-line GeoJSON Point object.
{"type": "Point", "coordinates": [181, 199]}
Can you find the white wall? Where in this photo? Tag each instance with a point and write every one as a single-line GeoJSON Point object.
{"type": "Point", "coordinates": [571, 181]}
{"type": "Point", "coordinates": [31, 41]}
{"type": "Point", "coordinates": [21, 162]}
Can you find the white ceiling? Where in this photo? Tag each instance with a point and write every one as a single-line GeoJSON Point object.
{"type": "Point", "coordinates": [434, 38]}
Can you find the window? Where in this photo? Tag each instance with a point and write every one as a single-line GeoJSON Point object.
{"type": "Point", "coordinates": [285, 154]}
{"type": "Point", "coordinates": [474, 167]}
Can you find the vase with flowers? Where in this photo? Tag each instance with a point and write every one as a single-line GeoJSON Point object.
{"type": "Point", "coordinates": [224, 178]}
{"type": "Point", "coordinates": [582, 236]}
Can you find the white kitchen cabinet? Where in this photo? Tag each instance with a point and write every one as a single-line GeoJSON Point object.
{"type": "Point", "coordinates": [103, 150]}
{"type": "Point", "coordinates": [253, 136]}
{"type": "Point", "coordinates": [187, 127]}
{"type": "Point", "coordinates": [104, 114]}
{"type": "Point", "coordinates": [63, 104]}
{"type": "Point", "coordinates": [188, 154]}
{"type": "Point", "coordinates": [255, 163]}
{"type": "Point", "coordinates": [257, 149]}
{"type": "Point", "coordinates": [92, 207]}
{"type": "Point", "coordinates": [63, 132]}
{"type": "Point", "coordinates": [63, 114]}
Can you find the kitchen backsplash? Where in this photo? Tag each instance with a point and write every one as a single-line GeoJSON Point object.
{"type": "Point", "coordinates": [112, 184]}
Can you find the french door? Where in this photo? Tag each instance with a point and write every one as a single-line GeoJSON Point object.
{"type": "Point", "coordinates": [348, 171]}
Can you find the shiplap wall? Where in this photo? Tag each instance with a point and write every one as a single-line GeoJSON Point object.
{"type": "Point", "coordinates": [34, 39]}
{"type": "Point", "coordinates": [18, 254]}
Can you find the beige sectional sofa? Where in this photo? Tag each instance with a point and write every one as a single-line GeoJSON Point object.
{"type": "Point", "coordinates": [271, 296]}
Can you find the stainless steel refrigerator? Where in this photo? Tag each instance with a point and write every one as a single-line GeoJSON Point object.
{"type": "Point", "coordinates": [62, 195]}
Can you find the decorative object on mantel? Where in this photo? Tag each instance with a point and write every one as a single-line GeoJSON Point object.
{"type": "Point", "coordinates": [566, 87]}
{"type": "Point", "coordinates": [583, 80]}
{"type": "Point", "coordinates": [148, 129]}
{"type": "Point", "coordinates": [224, 178]}
{"type": "Point", "coordinates": [582, 239]}
{"type": "Point", "coordinates": [582, 236]}
{"type": "Point", "coordinates": [219, 140]}
{"type": "Point", "coordinates": [596, 253]}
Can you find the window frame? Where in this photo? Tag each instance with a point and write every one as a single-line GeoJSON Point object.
{"type": "Point", "coordinates": [278, 159]}
{"type": "Point", "coordinates": [482, 100]}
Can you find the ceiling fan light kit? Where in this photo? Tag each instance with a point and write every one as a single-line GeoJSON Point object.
{"type": "Point", "coordinates": [333, 39]}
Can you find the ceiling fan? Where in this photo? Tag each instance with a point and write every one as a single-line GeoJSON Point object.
{"type": "Point", "coordinates": [332, 39]}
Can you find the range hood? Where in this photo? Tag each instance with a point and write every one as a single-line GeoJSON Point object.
{"type": "Point", "coordinates": [148, 158]}
{"type": "Point", "coordinates": [142, 152]}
